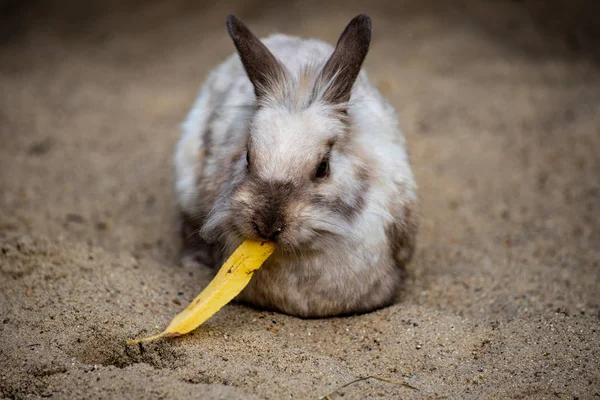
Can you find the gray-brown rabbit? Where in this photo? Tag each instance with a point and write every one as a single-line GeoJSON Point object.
{"type": "Point", "coordinates": [290, 142]}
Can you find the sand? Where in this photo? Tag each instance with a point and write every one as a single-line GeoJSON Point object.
{"type": "Point", "coordinates": [500, 102]}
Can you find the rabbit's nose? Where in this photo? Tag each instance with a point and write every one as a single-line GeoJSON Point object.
{"type": "Point", "coordinates": [267, 233]}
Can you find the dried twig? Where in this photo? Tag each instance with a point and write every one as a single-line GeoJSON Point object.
{"type": "Point", "coordinates": [328, 396]}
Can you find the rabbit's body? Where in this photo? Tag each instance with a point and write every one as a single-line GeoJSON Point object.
{"type": "Point", "coordinates": [345, 234]}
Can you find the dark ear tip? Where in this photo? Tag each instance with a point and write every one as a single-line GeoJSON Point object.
{"type": "Point", "coordinates": [230, 21]}
{"type": "Point", "coordinates": [362, 19]}
{"type": "Point", "coordinates": [235, 27]}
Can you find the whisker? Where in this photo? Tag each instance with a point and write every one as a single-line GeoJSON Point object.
{"type": "Point", "coordinates": [326, 222]}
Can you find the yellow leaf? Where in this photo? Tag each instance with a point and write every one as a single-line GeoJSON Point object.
{"type": "Point", "coordinates": [231, 279]}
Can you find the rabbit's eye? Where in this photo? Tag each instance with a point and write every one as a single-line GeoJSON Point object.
{"type": "Point", "coordinates": [322, 169]}
{"type": "Point", "coordinates": [248, 159]}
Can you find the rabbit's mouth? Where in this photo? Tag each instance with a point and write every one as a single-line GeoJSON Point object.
{"type": "Point", "coordinates": [305, 241]}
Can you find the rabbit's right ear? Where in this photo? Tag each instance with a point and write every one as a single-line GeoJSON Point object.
{"type": "Point", "coordinates": [263, 69]}
{"type": "Point", "coordinates": [343, 67]}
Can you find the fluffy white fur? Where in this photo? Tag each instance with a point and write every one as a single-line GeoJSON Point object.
{"type": "Point", "coordinates": [346, 265]}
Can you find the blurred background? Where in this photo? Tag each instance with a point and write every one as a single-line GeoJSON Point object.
{"type": "Point", "coordinates": [498, 100]}
{"type": "Point", "coordinates": [500, 105]}
{"type": "Point", "coordinates": [561, 25]}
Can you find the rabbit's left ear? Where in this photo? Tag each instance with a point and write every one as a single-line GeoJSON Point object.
{"type": "Point", "coordinates": [342, 68]}
{"type": "Point", "coordinates": [263, 69]}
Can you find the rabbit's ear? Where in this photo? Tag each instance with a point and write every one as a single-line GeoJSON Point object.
{"type": "Point", "coordinates": [342, 68]}
{"type": "Point", "coordinates": [260, 64]}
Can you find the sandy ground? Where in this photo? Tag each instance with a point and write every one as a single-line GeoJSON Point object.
{"type": "Point", "coordinates": [501, 107]}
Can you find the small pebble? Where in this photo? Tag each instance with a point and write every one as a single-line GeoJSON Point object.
{"type": "Point", "coordinates": [104, 226]}
{"type": "Point", "coordinates": [41, 148]}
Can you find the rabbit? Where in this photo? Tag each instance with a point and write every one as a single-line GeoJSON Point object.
{"type": "Point", "coordinates": [289, 141]}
